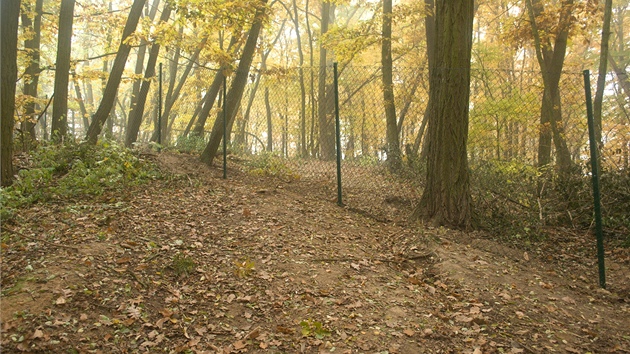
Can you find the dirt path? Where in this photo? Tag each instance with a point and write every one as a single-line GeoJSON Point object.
{"type": "Point", "coordinates": [198, 264]}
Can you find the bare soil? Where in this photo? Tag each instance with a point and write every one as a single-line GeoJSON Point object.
{"type": "Point", "coordinates": [197, 264]}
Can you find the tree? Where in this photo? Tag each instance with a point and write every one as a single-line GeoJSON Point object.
{"type": "Point", "coordinates": [109, 94]}
{"type": "Point", "coordinates": [235, 92]}
{"type": "Point", "coordinates": [31, 74]}
{"type": "Point", "coordinates": [393, 143]}
{"type": "Point", "coordinates": [8, 44]}
{"type": "Point", "coordinates": [551, 60]}
{"type": "Point", "coordinates": [325, 100]}
{"type": "Point", "coordinates": [446, 198]}
{"type": "Point", "coordinates": [601, 77]}
{"type": "Point", "coordinates": [59, 126]}
{"type": "Point", "coordinates": [136, 112]}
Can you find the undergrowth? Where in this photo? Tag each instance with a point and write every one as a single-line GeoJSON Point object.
{"type": "Point", "coordinates": [269, 164]}
{"type": "Point", "coordinates": [74, 170]}
{"type": "Point", "coordinates": [518, 202]}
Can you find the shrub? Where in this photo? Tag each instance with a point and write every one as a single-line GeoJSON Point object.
{"type": "Point", "coordinates": [190, 144]}
{"type": "Point", "coordinates": [269, 164]}
{"type": "Point", "coordinates": [74, 170]}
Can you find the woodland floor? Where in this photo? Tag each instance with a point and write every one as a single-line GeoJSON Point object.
{"type": "Point", "coordinates": [278, 269]}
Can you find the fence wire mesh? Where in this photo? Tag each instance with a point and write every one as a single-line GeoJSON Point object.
{"type": "Point", "coordinates": [285, 127]}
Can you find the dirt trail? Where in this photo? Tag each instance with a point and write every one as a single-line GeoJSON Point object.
{"type": "Point", "coordinates": [195, 263]}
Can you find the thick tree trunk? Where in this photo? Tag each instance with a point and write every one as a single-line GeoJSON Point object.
{"type": "Point", "coordinates": [394, 157]}
{"type": "Point", "coordinates": [429, 29]}
{"type": "Point", "coordinates": [8, 73]}
{"type": "Point", "coordinates": [235, 93]}
{"type": "Point", "coordinates": [31, 75]}
{"type": "Point", "coordinates": [137, 111]}
{"type": "Point", "coordinates": [59, 124]}
{"type": "Point", "coordinates": [446, 198]}
{"type": "Point", "coordinates": [109, 95]}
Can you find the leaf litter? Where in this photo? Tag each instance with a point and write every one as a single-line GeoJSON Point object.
{"type": "Point", "coordinates": [197, 264]}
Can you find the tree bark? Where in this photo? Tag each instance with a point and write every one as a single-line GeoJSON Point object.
{"type": "Point", "coordinates": [109, 95]}
{"type": "Point", "coordinates": [31, 75]}
{"type": "Point", "coordinates": [269, 122]}
{"type": "Point", "coordinates": [8, 73]}
{"type": "Point", "coordinates": [446, 198]}
{"type": "Point", "coordinates": [237, 87]}
{"type": "Point", "coordinates": [137, 111]}
{"type": "Point", "coordinates": [298, 39]}
{"type": "Point", "coordinates": [429, 29]}
{"type": "Point", "coordinates": [59, 125]}
{"type": "Point", "coordinates": [393, 143]}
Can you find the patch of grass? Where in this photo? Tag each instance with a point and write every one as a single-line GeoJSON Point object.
{"type": "Point", "coordinates": [191, 144]}
{"type": "Point", "coordinates": [183, 264]}
{"type": "Point", "coordinates": [269, 164]}
{"type": "Point", "coordinates": [74, 170]}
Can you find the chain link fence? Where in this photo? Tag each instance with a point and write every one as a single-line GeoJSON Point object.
{"type": "Point", "coordinates": [286, 127]}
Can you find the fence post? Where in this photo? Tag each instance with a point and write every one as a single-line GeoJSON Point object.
{"type": "Point", "coordinates": [338, 136]}
{"type": "Point", "coordinates": [224, 130]}
{"type": "Point", "coordinates": [595, 174]}
{"type": "Point", "coordinates": [159, 117]}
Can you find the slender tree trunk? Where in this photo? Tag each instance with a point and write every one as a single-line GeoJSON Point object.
{"type": "Point", "coordinates": [213, 91]}
{"type": "Point", "coordinates": [62, 71]}
{"type": "Point", "coordinates": [313, 109]}
{"type": "Point", "coordinates": [135, 115]}
{"type": "Point", "coordinates": [602, 71]}
{"type": "Point", "coordinates": [8, 73]}
{"type": "Point", "coordinates": [298, 38]}
{"type": "Point", "coordinates": [394, 157]}
{"type": "Point", "coordinates": [31, 75]}
{"type": "Point", "coordinates": [326, 126]}
{"type": "Point", "coordinates": [109, 95]}
{"type": "Point", "coordinates": [446, 198]}
{"type": "Point", "coordinates": [235, 93]}
{"type": "Point", "coordinates": [269, 122]}
{"type": "Point", "coordinates": [175, 94]}
{"type": "Point", "coordinates": [551, 61]}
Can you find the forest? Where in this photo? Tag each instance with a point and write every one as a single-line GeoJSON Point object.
{"type": "Point", "coordinates": [182, 161]}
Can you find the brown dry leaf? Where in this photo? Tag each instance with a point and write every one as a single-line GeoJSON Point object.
{"type": "Point", "coordinates": [520, 314]}
{"type": "Point", "coordinates": [477, 351]}
{"type": "Point", "coordinates": [83, 317]}
{"type": "Point", "coordinates": [409, 332]}
{"type": "Point", "coordinates": [526, 256]}
{"type": "Point", "coordinates": [38, 334]}
{"type": "Point", "coordinates": [568, 300]}
{"type": "Point", "coordinates": [239, 344]}
{"type": "Point", "coordinates": [60, 301]}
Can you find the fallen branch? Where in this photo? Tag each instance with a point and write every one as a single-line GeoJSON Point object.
{"type": "Point", "coordinates": [398, 259]}
{"type": "Point", "coordinates": [43, 241]}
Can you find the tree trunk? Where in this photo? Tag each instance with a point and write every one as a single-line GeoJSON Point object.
{"type": "Point", "coordinates": [109, 95]}
{"type": "Point", "coordinates": [325, 102]}
{"type": "Point", "coordinates": [393, 143]}
{"type": "Point", "coordinates": [31, 75]}
{"type": "Point", "coordinates": [59, 124]}
{"type": "Point", "coordinates": [175, 95]}
{"type": "Point", "coordinates": [212, 93]}
{"type": "Point", "coordinates": [8, 72]}
{"type": "Point", "coordinates": [269, 122]}
{"type": "Point", "coordinates": [136, 112]}
{"type": "Point", "coordinates": [237, 87]}
{"type": "Point", "coordinates": [551, 61]}
{"type": "Point", "coordinates": [298, 38]}
{"type": "Point", "coordinates": [602, 71]}
{"type": "Point", "coordinates": [429, 29]}
{"type": "Point", "coordinates": [446, 198]}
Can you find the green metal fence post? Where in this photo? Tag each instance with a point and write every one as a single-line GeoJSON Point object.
{"type": "Point", "coordinates": [159, 117]}
{"type": "Point", "coordinates": [594, 172]}
{"type": "Point", "coordinates": [338, 136]}
{"type": "Point", "coordinates": [224, 130]}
